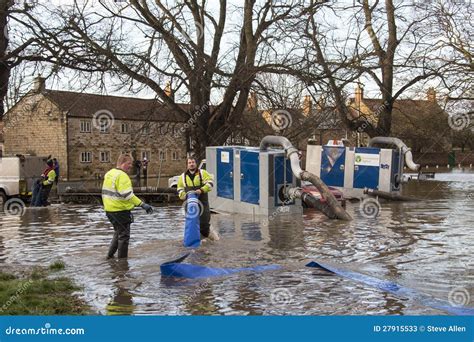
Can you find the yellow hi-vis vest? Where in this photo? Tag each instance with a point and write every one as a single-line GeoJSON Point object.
{"type": "Point", "coordinates": [117, 192]}
{"type": "Point", "coordinates": [202, 180]}
{"type": "Point", "coordinates": [51, 176]}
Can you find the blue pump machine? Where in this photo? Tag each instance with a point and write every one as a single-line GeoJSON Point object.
{"type": "Point", "coordinates": [250, 181]}
{"type": "Point", "coordinates": [352, 169]}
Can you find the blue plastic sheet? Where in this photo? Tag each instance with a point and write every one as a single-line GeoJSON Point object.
{"type": "Point", "coordinates": [177, 269]}
{"type": "Point", "coordinates": [192, 234]}
{"type": "Point", "coordinates": [396, 289]}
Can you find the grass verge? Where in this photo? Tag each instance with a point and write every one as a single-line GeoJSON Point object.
{"type": "Point", "coordinates": [36, 293]}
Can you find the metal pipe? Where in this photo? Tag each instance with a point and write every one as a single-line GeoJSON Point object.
{"type": "Point", "coordinates": [388, 195]}
{"type": "Point", "coordinates": [292, 154]}
{"type": "Point", "coordinates": [404, 149]}
{"type": "Point", "coordinates": [311, 201]}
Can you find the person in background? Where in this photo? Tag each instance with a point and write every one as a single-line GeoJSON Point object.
{"type": "Point", "coordinates": [56, 169]}
{"type": "Point", "coordinates": [44, 185]}
{"type": "Point", "coordinates": [145, 170]}
{"type": "Point", "coordinates": [138, 165]}
{"type": "Point", "coordinates": [200, 181]}
{"type": "Point", "coordinates": [119, 200]}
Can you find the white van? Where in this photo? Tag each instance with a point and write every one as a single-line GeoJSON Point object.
{"type": "Point", "coordinates": [17, 175]}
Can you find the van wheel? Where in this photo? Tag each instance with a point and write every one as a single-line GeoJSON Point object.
{"type": "Point", "coordinates": [3, 197]}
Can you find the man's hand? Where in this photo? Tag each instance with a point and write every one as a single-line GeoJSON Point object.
{"type": "Point", "coordinates": [198, 192]}
{"type": "Point", "coordinates": [147, 208]}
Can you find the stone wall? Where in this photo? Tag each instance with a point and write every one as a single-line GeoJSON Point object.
{"type": "Point", "coordinates": [36, 126]}
{"type": "Point", "coordinates": [152, 137]}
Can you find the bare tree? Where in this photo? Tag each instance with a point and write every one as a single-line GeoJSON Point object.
{"type": "Point", "coordinates": [382, 43]}
{"type": "Point", "coordinates": [5, 7]}
{"type": "Point", "coordinates": [209, 54]}
{"type": "Point", "coordinates": [451, 27]}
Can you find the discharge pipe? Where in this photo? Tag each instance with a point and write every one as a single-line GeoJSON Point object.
{"type": "Point", "coordinates": [405, 150]}
{"type": "Point", "coordinates": [311, 201]}
{"type": "Point", "coordinates": [292, 154]}
{"type": "Point", "coordinates": [388, 195]}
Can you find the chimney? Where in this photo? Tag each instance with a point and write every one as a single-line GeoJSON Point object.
{"type": "Point", "coordinates": [431, 95]}
{"type": "Point", "coordinates": [307, 105]}
{"type": "Point", "coordinates": [168, 90]}
{"type": "Point", "coordinates": [252, 101]}
{"type": "Point", "coordinates": [359, 93]}
{"type": "Point", "coordinates": [39, 84]}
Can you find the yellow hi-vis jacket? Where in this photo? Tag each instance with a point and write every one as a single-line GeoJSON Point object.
{"type": "Point", "coordinates": [117, 192]}
{"type": "Point", "coordinates": [51, 176]}
{"type": "Point", "coordinates": [202, 180]}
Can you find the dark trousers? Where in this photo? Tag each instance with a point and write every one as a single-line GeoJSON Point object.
{"type": "Point", "coordinates": [44, 194]}
{"type": "Point", "coordinates": [121, 220]}
{"type": "Point", "coordinates": [205, 217]}
{"type": "Point", "coordinates": [40, 195]}
{"type": "Point", "coordinates": [35, 196]}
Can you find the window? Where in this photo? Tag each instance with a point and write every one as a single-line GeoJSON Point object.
{"type": "Point", "coordinates": [162, 155]}
{"type": "Point", "coordinates": [145, 129]}
{"type": "Point", "coordinates": [175, 155]}
{"type": "Point", "coordinates": [86, 157]}
{"type": "Point", "coordinates": [124, 127]}
{"type": "Point", "coordinates": [146, 154]}
{"type": "Point", "coordinates": [104, 156]}
{"type": "Point", "coordinates": [104, 125]}
{"type": "Point", "coordinates": [85, 126]}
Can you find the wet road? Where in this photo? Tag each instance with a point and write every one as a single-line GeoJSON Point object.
{"type": "Point", "coordinates": [427, 246]}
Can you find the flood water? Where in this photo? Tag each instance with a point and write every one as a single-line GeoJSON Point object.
{"type": "Point", "coordinates": [427, 246]}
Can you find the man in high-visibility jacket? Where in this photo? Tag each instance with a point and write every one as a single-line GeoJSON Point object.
{"type": "Point", "coordinates": [44, 185]}
{"type": "Point", "coordinates": [200, 181]}
{"type": "Point", "coordinates": [119, 200]}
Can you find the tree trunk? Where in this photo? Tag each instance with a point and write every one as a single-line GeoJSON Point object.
{"type": "Point", "coordinates": [4, 67]}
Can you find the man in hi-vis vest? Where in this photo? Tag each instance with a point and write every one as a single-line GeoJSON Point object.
{"type": "Point", "coordinates": [119, 200]}
{"type": "Point", "coordinates": [200, 181]}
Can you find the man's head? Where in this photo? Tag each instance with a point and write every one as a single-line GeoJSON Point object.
{"type": "Point", "coordinates": [125, 162]}
{"type": "Point", "coordinates": [192, 164]}
{"type": "Point", "coordinates": [50, 162]}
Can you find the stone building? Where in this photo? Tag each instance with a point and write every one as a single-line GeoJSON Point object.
{"type": "Point", "coordinates": [87, 132]}
{"type": "Point", "coordinates": [422, 124]}
{"type": "Point", "coordinates": [1, 137]}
